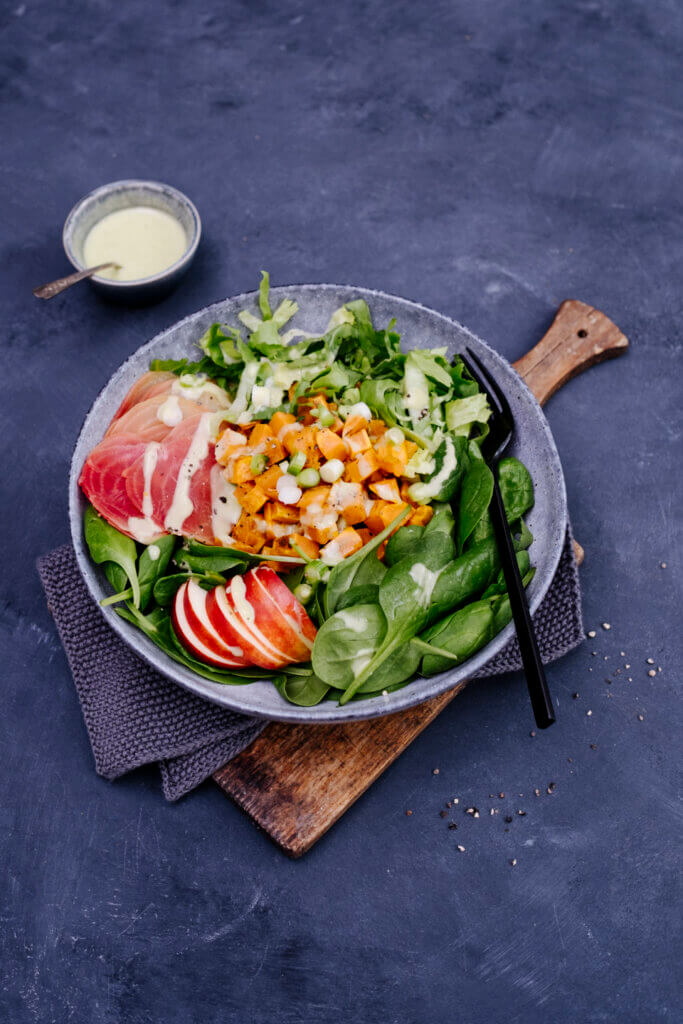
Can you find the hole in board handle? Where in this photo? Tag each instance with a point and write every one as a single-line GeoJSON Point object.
{"type": "Point", "coordinates": [582, 333]}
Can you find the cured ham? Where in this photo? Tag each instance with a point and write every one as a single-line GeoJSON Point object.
{"type": "Point", "coordinates": [153, 419]}
{"type": "Point", "coordinates": [150, 385]}
{"type": "Point", "coordinates": [175, 491]}
{"type": "Point", "coordinates": [103, 482]}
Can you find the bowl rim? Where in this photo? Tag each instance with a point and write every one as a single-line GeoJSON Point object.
{"type": "Point", "coordinates": [126, 184]}
{"type": "Point", "coordinates": [397, 701]}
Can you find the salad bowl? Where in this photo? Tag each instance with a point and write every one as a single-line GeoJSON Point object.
{"type": "Point", "coordinates": [420, 328]}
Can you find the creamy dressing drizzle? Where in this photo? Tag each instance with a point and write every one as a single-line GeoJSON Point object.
{"type": "Point", "coordinates": [169, 412]}
{"type": "Point", "coordinates": [356, 623]}
{"type": "Point", "coordinates": [225, 508]}
{"type": "Point", "coordinates": [154, 551]}
{"type": "Point", "coordinates": [238, 592]}
{"type": "Point", "coordinates": [425, 580]}
{"type": "Point", "coordinates": [204, 392]}
{"type": "Point", "coordinates": [144, 529]}
{"type": "Point", "coordinates": [182, 506]}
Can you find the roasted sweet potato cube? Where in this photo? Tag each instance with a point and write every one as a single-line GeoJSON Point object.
{"type": "Point", "coordinates": [267, 482]}
{"type": "Point", "coordinates": [250, 497]}
{"type": "Point", "coordinates": [344, 544]}
{"type": "Point", "coordinates": [260, 434]}
{"type": "Point", "coordinates": [386, 489]}
{"type": "Point", "coordinates": [273, 450]}
{"type": "Point", "coordinates": [376, 428]}
{"type": "Point", "coordinates": [279, 420]}
{"type": "Point", "coordinates": [392, 458]}
{"type": "Point", "coordinates": [421, 515]}
{"type": "Point", "coordinates": [245, 531]}
{"type": "Point", "coordinates": [229, 443]}
{"type": "Point", "coordinates": [331, 445]}
{"type": "Point", "coordinates": [358, 442]}
{"type": "Point", "coordinates": [382, 514]}
{"type": "Point", "coordinates": [315, 496]}
{"type": "Point", "coordinates": [353, 424]}
{"type": "Point", "coordinates": [362, 467]}
{"type": "Point", "coordinates": [305, 544]}
{"type": "Point", "coordinates": [240, 470]}
{"type": "Point", "coordinates": [364, 534]}
{"type": "Point", "coordinates": [282, 513]}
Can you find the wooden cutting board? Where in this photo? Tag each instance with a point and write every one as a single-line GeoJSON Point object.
{"type": "Point", "coordinates": [295, 781]}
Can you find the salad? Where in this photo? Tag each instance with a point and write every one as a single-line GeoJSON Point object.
{"type": "Point", "coordinates": [309, 509]}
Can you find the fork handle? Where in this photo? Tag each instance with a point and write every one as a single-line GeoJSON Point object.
{"type": "Point", "coordinates": [531, 658]}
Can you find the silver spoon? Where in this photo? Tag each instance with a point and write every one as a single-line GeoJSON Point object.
{"type": "Point", "coordinates": [48, 291]}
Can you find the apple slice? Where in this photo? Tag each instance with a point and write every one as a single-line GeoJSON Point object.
{"type": "Point", "coordinates": [189, 638]}
{"type": "Point", "coordinates": [236, 630]}
{"type": "Point", "coordinates": [279, 615]}
{"type": "Point", "coordinates": [194, 606]}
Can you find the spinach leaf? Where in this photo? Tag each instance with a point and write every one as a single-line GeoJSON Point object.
{"type": "Point", "coordinates": [521, 536]}
{"type": "Point", "coordinates": [464, 578]}
{"type": "Point", "coordinates": [195, 547]}
{"type": "Point", "coordinates": [442, 521]}
{"type": "Point", "coordinates": [346, 642]}
{"type": "Point", "coordinates": [462, 633]}
{"type": "Point", "coordinates": [221, 561]}
{"type": "Point", "coordinates": [404, 596]}
{"type": "Point", "coordinates": [149, 571]}
{"type": "Point", "coordinates": [499, 586]}
{"type": "Point", "coordinates": [303, 690]}
{"type": "Point", "coordinates": [166, 588]}
{"type": "Point", "coordinates": [502, 612]}
{"type": "Point", "coordinates": [399, 666]}
{"type": "Point", "coordinates": [106, 544]}
{"type": "Point", "coordinates": [475, 498]}
{"type": "Point", "coordinates": [482, 531]}
{"type": "Point", "coordinates": [366, 594]}
{"type": "Point", "coordinates": [516, 488]}
{"type": "Point", "coordinates": [360, 569]}
{"type": "Point", "coordinates": [405, 541]}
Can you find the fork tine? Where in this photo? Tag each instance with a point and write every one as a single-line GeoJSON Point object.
{"type": "Point", "coordinates": [494, 386]}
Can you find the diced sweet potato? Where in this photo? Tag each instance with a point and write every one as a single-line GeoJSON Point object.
{"type": "Point", "coordinates": [281, 513]}
{"type": "Point", "coordinates": [332, 446]}
{"type": "Point", "coordinates": [344, 544]}
{"type": "Point", "coordinates": [245, 531]}
{"type": "Point", "coordinates": [241, 471]}
{"type": "Point", "coordinates": [362, 467]}
{"type": "Point", "coordinates": [229, 444]}
{"type": "Point", "coordinates": [353, 424]}
{"type": "Point", "coordinates": [376, 428]}
{"type": "Point", "coordinates": [421, 515]}
{"type": "Point", "coordinates": [347, 498]}
{"type": "Point", "coordinates": [382, 514]}
{"type": "Point", "coordinates": [386, 489]}
{"type": "Point", "coordinates": [364, 534]}
{"type": "Point", "coordinates": [322, 532]}
{"type": "Point", "coordinates": [260, 434]}
{"type": "Point", "coordinates": [279, 420]}
{"type": "Point", "coordinates": [392, 458]}
{"type": "Point", "coordinates": [251, 498]}
{"type": "Point", "coordinates": [358, 442]}
{"type": "Point", "coordinates": [305, 544]}
{"type": "Point", "coordinates": [315, 496]}
{"type": "Point", "coordinates": [267, 481]}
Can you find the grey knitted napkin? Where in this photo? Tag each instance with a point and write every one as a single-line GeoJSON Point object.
{"type": "Point", "coordinates": [135, 716]}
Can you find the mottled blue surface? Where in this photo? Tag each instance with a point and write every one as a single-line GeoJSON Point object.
{"type": "Point", "coordinates": [488, 159]}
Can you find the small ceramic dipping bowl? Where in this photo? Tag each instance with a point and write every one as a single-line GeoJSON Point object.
{"type": "Point", "coordinates": [120, 195]}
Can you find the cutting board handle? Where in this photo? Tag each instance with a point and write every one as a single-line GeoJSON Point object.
{"type": "Point", "coordinates": [579, 336]}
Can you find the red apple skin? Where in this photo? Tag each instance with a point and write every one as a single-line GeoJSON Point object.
{"type": "Point", "coordinates": [198, 620]}
{"type": "Point", "coordinates": [231, 627]}
{"type": "Point", "coordinates": [277, 618]}
{"type": "Point", "coordinates": [283, 597]}
{"type": "Point", "coordinates": [188, 638]}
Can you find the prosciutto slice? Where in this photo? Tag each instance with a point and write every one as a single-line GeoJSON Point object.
{"type": "Point", "coordinates": [179, 488]}
{"type": "Point", "coordinates": [150, 385]}
{"type": "Point", "coordinates": [102, 479]}
{"type": "Point", "coordinates": [153, 419]}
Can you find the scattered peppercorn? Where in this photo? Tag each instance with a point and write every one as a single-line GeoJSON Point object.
{"type": "Point", "coordinates": [591, 633]}
{"type": "Point", "coordinates": [650, 661]}
{"type": "Point", "coordinates": [452, 825]}
{"type": "Point", "coordinates": [537, 792]}
{"type": "Point", "coordinates": [435, 771]}
{"type": "Point", "coordinates": [593, 746]}
{"type": "Point", "coordinates": [551, 786]}
{"type": "Point", "coordinates": [533, 732]}
{"type": "Point", "coordinates": [501, 796]}
{"type": "Point", "coordinates": [589, 713]}
{"type": "Point", "coordinates": [641, 718]}
{"type": "Point", "coordinates": [508, 818]}
{"type": "Point", "coordinates": [522, 814]}
{"type": "Point", "coordinates": [513, 862]}
{"type": "Point", "coordinates": [443, 814]}
{"type": "Point", "coordinates": [606, 625]}
{"type": "Point", "coordinates": [652, 672]}
{"type": "Point", "coordinates": [575, 696]}
{"type": "Point", "coordinates": [461, 848]}
{"type": "Point", "coordinates": [408, 813]}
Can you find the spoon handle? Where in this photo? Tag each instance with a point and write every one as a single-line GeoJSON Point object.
{"type": "Point", "coordinates": [48, 291]}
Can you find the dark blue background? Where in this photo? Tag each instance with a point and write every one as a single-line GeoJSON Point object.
{"type": "Point", "coordinates": [488, 159]}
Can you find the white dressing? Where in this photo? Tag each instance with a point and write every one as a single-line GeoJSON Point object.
{"type": "Point", "coordinates": [143, 240]}
{"type": "Point", "coordinates": [143, 529]}
{"type": "Point", "coordinates": [182, 506]}
{"type": "Point", "coordinates": [225, 508]}
{"type": "Point", "coordinates": [169, 412]}
{"type": "Point", "coordinates": [154, 552]}
{"type": "Point", "coordinates": [425, 580]}
{"type": "Point", "coordinates": [352, 620]}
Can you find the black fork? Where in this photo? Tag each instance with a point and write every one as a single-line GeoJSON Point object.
{"type": "Point", "coordinates": [502, 426]}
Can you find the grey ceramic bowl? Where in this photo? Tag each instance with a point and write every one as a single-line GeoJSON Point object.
{"type": "Point", "coordinates": [117, 196]}
{"type": "Point", "coordinates": [419, 327]}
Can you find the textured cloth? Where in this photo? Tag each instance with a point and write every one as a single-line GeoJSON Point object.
{"type": "Point", "coordinates": [136, 716]}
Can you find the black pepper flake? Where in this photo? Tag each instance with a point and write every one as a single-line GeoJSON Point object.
{"type": "Point", "coordinates": [443, 814]}
{"type": "Point", "coordinates": [532, 733]}
{"type": "Point", "coordinates": [593, 746]}
{"type": "Point", "coordinates": [501, 796]}
{"type": "Point", "coordinates": [575, 696]}
{"type": "Point", "coordinates": [551, 786]}
{"type": "Point", "coordinates": [222, 498]}
{"type": "Point", "coordinates": [408, 813]}
{"type": "Point", "coordinates": [537, 792]}
{"type": "Point", "coordinates": [508, 818]}
{"type": "Point", "coordinates": [448, 803]}
{"type": "Point", "coordinates": [472, 811]}
{"type": "Point", "coordinates": [452, 825]}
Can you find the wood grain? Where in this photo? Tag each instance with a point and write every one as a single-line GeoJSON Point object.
{"type": "Point", "coordinates": [295, 781]}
